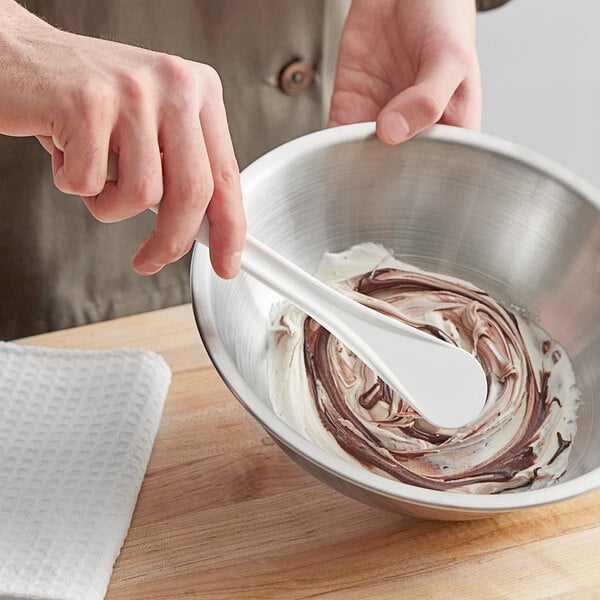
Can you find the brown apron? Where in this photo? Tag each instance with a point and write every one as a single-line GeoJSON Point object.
{"type": "Point", "coordinates": [59, 267]}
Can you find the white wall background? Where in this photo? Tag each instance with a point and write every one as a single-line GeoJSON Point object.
{"type": "Point", "coordinates": [540, 64]}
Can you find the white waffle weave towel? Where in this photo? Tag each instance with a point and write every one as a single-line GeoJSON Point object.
{"type": "Point", "coordinates": [76, 431]}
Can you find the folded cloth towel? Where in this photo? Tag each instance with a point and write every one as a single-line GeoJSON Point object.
{"type": "Point", "coordinates": [76, 431]}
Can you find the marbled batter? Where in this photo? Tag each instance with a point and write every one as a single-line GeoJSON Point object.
{"type": "Point", "coordinates": [521, 439]}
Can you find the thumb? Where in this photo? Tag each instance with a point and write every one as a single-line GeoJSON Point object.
{"type": "Point", "coordinates": [420, 105]}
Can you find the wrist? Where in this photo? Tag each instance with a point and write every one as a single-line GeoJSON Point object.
{"type": "Point", "coordinates": [23, 74]}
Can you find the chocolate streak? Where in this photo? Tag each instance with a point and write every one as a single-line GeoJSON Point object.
{"type": "Point", "coordinates": [485, 328]}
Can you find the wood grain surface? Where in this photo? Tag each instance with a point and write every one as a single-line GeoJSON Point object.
{"type": "Point", "coordinates": [224, 514]}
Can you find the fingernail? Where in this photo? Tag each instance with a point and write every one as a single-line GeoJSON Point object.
{"type": "Point", "coordinates": [235, 262]}
{"type": "Point", "coordinates": [395, 127]}
{"type": "Point", "coordinates": [148, 268]}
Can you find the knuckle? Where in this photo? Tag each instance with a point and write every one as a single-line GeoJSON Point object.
{"type": "Point", "coordinates": [134, 87]}
{"type": "Point", "coordinates": [84, 182]}
{"type": "Point", "coordinates": [196, 190]}
{"type": "Point", "coordinates": [85, 98]}
{"type": "Point", "coordinates": [174, 248]}
{"type": "Point", "coordinates": [172, 66]}
{"type": "Point", "coordinates": [177, 72]}
{"type": "Point", "coordinates": [227, 175]}
{"type": "Point", "coordinates": [91, 103]}
{"type": "Point", "coordinates": [86, 125]}
{"type": "Point", "coordinates": [211, 80]}
{"type": "Point", "coordinates": [98, 210]}
{"type": "Point", "coordinates": [233, 227]}
{"type": "Point", "coordinates": [145, 193]}
{"type": "Point", "coordinates": [91, 187]}
{"type": "Point", "coordinates": [429, 107]}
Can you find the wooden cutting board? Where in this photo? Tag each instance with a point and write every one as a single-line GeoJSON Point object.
{"type": "Point", "coordinates": [224, 514]}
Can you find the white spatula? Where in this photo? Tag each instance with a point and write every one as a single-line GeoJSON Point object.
{"type": "Point", "coordinates": [444, 384]}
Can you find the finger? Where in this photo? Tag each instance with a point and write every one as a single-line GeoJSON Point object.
{"type": "Point", "coordinates": [46, 142]}
{"type": "Point", "coordinates": [188, 187]}
{"type": "Point", "coordinates": [140, 181]}
{"type": "Point", "coordinates": [464, 108]}
{"type": "Point", "coordinates": [419, 106]}
{"type": "Point", "coordinates": [225, 211]}
{"type": "Point", "coordinates": [82, 168]}
{"type": "Point", "coordinates": [58, 159]}
{"type": "Point", "coordinates": [348, 106]}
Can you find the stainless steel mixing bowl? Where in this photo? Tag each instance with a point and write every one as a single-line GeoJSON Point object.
{"type": "Point", "coordinates": [451, 201]}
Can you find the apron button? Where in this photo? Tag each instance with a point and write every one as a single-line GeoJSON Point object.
{"type": "Point", "coordinates": [295, 77]}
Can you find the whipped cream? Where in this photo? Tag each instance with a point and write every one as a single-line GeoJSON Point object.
{"type": "Point", "coordinates": [520, 441]}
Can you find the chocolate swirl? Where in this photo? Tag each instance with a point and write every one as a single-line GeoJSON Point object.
{"type": "Point", "coordinates": [525, 430]}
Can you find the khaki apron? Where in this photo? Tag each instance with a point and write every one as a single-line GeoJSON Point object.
{"type": "Point", "coordinates": [59, 267]}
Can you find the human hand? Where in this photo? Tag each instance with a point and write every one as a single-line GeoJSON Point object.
{"type": "Point", "coordinates": [162, 115]}
{"type": "Point", "coordinates": [408, 64]}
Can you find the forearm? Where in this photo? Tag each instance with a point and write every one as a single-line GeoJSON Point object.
{"type": "Point", "coordinates": [24, 80]}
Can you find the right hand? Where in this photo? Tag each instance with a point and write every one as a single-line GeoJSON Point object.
{"type": "Point", "coordinates": [407, 64]}
{"type": "Point", "coordinates": [162, 115]}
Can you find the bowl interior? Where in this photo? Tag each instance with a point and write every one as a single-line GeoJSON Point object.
{"type": "Point", "coordinates": [453, 202]}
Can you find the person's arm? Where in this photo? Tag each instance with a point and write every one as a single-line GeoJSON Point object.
{"type": "Point", "coordinates": [407, 65]}
{"type": "Point", "coordinates": [162, 115]}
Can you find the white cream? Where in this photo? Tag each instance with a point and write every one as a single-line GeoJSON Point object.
{"type": "Point", "coordinates": [508, 415]}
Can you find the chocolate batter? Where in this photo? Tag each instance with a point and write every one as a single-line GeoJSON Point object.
{"type": "Point", "coordinates": [523, 436]}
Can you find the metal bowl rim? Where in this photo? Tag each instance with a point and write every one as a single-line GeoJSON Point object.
{"type": "Point", "coordinates": [253, 175]}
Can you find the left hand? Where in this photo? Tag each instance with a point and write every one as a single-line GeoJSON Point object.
{"type": "Point", "coordinates": [408, 64]}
